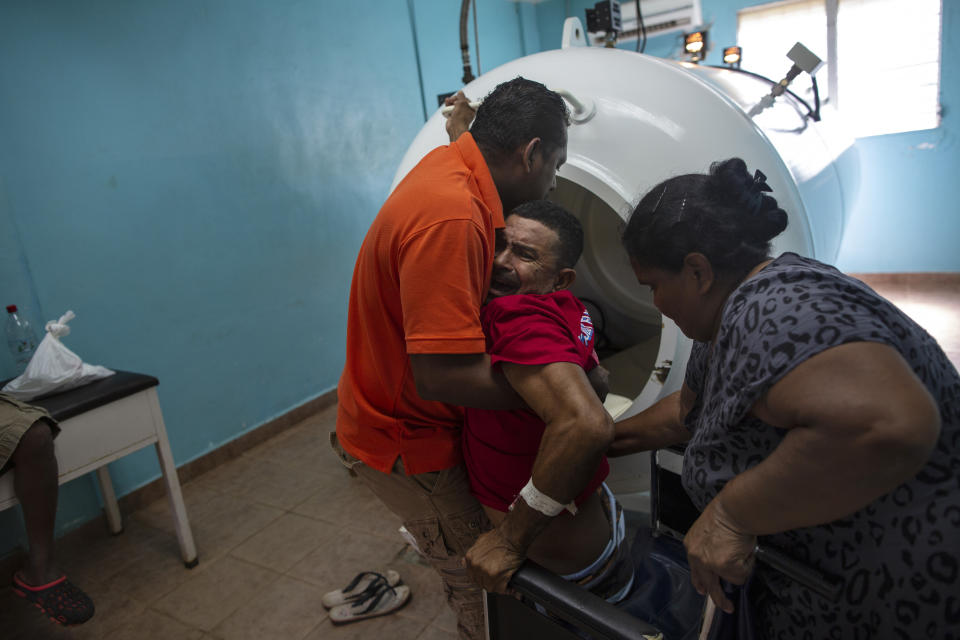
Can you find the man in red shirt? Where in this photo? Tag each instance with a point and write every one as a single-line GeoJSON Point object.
{"type": "Point", "coordinates": [521, 461]}
{"type": "Point", "coordinates": [415, 347]}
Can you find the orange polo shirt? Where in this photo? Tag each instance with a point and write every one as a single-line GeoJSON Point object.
{"type": "Point", "coordinates": [421, 276]}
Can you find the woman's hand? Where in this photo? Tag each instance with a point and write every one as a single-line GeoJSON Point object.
{"type": "Point", "coordinates": [718, 548]}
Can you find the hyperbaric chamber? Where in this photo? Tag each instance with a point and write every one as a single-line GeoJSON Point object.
{"type": "Point", "coordinates": [643, 120]}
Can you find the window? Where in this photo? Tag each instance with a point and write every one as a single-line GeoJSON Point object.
{"type": "Point", "coordinates": [884, 74]}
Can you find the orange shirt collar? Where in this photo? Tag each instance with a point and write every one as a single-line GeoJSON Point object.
{"type": "Point", "coordinates": [474, 160]}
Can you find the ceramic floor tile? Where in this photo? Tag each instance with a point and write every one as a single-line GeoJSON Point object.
{"type": "Point", "coordinates": [359, 545]}
{"type": "Point", "coordinates": [264, 469]}
{"type": "Point", "coordinates": [280, 485]}
{"type": "Point", "coordinates": [304, 442]}
{"type": "Point", "coordinates": [322, 461]}
{"type": "Point", "coordinates": [284, 453]}
{"type": "Point", "coordinates": [115, 607]}
{"type": "Point", "coordinates": [196, 498]}
{"type": "Point", "coordinates": [339, 480]}
{"type": "Point", "coordinates": [155, 626]}
{"type": "Point", "coordinates": [334, 564]}
{"type": "Point", "coordinates": [447, 620]}
{"type": "Point", "coordinates": [376, 519]}
{"type": "Point", "coordinates": [287, 608]}
{"type": "Point", "coordinates": [326, 417]}
{"type": "Point", "coordinates": [153, 575]}
{"type": "Point", "coordinates": [394, 627]}
{"type": "Point", "coordinates": [227, 522]}
{"type": "Point", "coordinates": [339, 500]}
{"type": "Point", "coordinates": [427, 599]}
{"type": "Point", "coordinates": [94, 557]}
{"type": "Point", "coordinates": [285, 541]}
{"type": "Point", "coordinates": [934, 304]}
{"type": "Point", "coordinates": [306, 431]}
{"type": "Point", "coordinates": [278, 495]}
{"type": "Point", "coordinates": [434, 632]}
{"type": "Point", "coordinates": [224, 478]}
{"type": "Point", "coordinates": [207, 598]}
{"type": "Point", "coordinates": [314, 447]}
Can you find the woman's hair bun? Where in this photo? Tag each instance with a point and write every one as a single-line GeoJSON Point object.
{"type": "Point", "coordinates": [726, 214]}
{"type": "Point", "coordinates": [770, 221]}
{"type": "Point", "coordinates": [731, 181]}
{"type": "Point", "coordinates": [763, 219]}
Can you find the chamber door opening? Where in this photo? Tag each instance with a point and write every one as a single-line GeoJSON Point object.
{"type": "Point", "coordinates": [627, 324]}
{"type": "Point", "coordinates": [628, 327]}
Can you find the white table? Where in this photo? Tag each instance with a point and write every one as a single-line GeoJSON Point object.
{"type": "Point", "coordinates": [102, 422]}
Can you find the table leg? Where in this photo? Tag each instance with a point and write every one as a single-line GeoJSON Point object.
{"type": "Point", "coordinates": [188, 549]}
{"type": "Point", "coordinates": [110, 506]}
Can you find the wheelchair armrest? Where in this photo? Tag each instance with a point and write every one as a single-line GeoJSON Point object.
{"type": "Point", "coordinates": [577, 606]}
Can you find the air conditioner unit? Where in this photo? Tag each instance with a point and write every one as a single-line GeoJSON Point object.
{"type": "Point", "coordinates": [659, 17]}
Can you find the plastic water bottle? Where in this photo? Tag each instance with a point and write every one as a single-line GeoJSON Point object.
{"type": "Point", "coordinates": [20, 337]}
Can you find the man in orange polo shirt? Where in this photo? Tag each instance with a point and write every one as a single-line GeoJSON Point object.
{"type": "Point", "coordinates": [415, 346]}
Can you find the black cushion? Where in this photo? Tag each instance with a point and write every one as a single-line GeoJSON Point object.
{"type": "Point", "coordinates": [67, 404]}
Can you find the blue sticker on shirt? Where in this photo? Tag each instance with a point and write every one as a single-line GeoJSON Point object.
{"type": "Point", "coordinates": [586, 328]}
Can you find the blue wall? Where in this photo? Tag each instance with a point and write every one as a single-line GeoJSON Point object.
{"type": "Point", "coordinates": [194, 177]}
{"type": "Point", "coordinates": [904, 217]}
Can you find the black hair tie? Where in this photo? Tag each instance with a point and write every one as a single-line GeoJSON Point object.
{"type": "Point", "coordinates": [760, 181]}
{"type": "Point", "coordinates": [753, 195]}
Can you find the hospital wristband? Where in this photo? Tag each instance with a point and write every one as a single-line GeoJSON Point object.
{"type": "Point", "coordinates": [543, 503]}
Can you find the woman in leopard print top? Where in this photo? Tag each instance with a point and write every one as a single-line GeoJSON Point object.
{"type": "Point", "coordinates": [818, 417]}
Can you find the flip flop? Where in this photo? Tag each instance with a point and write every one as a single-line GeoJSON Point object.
{"type": "Point", "coordinates": [380, 599]}
{"type": "Point", "coordinates": [63, 602]}
{"type": "Point", "coordinates": [357, 586]}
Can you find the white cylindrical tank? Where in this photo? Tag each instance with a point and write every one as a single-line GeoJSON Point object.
{"type": "Point", "coordinates": [653, 119]}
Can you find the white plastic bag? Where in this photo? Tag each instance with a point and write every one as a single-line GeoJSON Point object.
{"type": "Point", "coordinates": [54, 367]}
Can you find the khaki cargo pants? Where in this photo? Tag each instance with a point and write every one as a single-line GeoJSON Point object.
{"type": "Point", "coordinates": [445, 520]}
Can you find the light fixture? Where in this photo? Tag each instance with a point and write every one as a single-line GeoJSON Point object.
{"type": "Point", "coordinates": [731, 56]}
{"type": "Point", "coordinates": [695, 44]}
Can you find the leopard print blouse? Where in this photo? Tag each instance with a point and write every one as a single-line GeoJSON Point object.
{"type": "Point", "coordinates": [899, 557]}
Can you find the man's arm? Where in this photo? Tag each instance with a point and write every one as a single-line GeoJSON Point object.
{"type": "Point", "coordinates": [463, 379]}
{"type": "Point", "coordinates": [578, 432]}
{"type": "Point", "coordinates": [656, 427]}
{"type": "Point", "coordinates": [468, 380]}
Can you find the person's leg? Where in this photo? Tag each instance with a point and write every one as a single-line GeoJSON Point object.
{"type": "Point", "coordinates": [26, 445]}
{"type": "Point", "coordinates": [444, 519]}
{"type": "Point", "coordinates": [35, 483]}
{"type": "Point", "coordinates": [611, 575]}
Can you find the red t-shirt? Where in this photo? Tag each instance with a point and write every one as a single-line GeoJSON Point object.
{"type": "Point", "coordinates": [499, 447]}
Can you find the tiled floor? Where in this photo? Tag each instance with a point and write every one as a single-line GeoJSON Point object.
{"type": "Point", "coordinates": [278, 527]}
{"type": "Point", "coordinates": [932, 300]}
{"type": "Point", "coordinates": [275, 529]}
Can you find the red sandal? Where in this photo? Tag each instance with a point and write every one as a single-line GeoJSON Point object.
{"type": "Point", "coordinates": [63, 602]}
